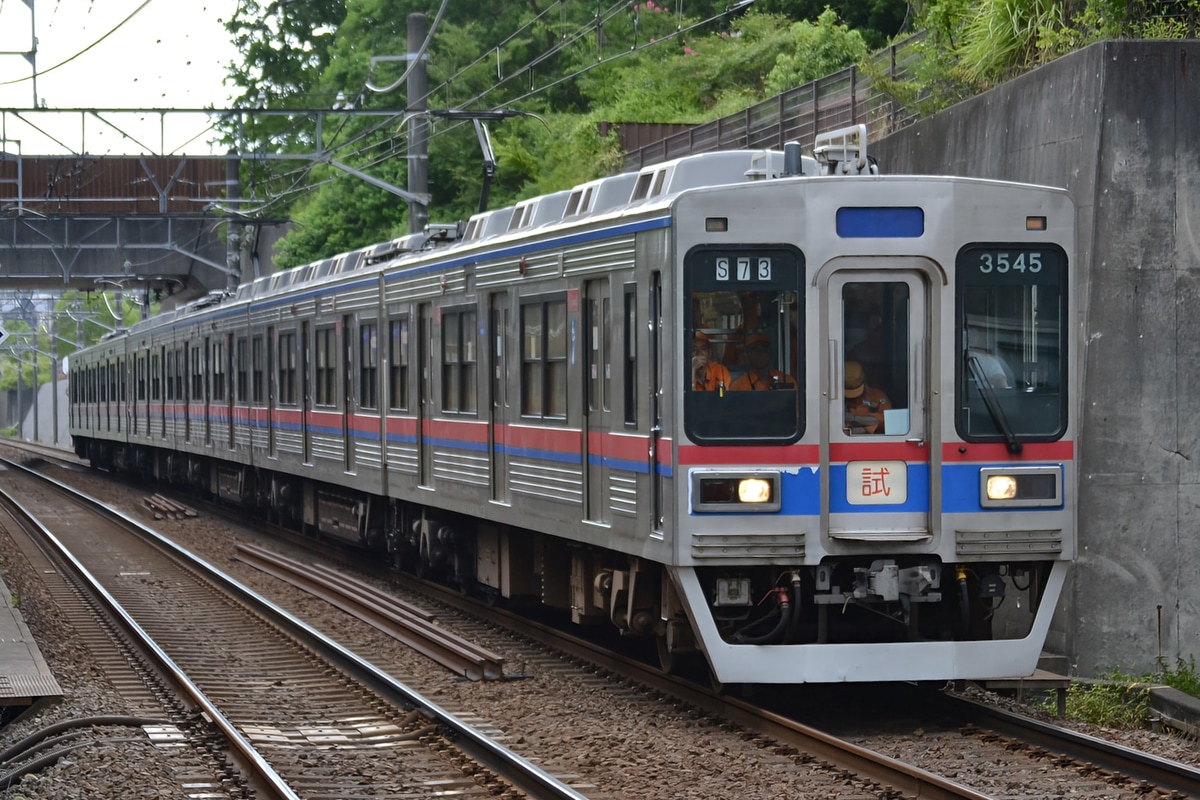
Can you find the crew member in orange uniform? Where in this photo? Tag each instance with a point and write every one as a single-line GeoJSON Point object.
{"type": "Point", "coordinates": [759, 375]}
{"type": "Point", "coordinates": [707, 375]}
{"type": "Point", "coordinates": [864, 403]}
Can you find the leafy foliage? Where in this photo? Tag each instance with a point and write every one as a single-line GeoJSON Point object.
{"type": "Point", "coordinates": [1004, 37]}
{"type": "Point", "coordinates": [818, 50]}
{"type": "Point", "coordinates": [577, 65]}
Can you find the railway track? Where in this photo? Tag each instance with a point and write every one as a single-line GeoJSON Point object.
{"type": "Point", "coordinates": [989, 763]}
{"type": "Point", "coordinates": [263, 680]}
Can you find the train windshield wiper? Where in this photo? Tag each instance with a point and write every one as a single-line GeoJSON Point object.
{"type": "Point", "coordinates": [993, 404]}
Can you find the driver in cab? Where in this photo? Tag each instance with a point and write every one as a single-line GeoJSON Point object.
{"type": "Point", "coordinates": [864, 403]}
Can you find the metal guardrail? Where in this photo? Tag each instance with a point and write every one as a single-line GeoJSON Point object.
{"type": "Point", "coordinates": [845, 98]}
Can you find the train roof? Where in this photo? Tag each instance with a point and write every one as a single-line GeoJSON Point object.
{"type": "Point", "coordinates": [651, 186]}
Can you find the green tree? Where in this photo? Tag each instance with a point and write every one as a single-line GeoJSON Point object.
{"type": "Point", "coordinates": [819, 50]}
{"type": "Point", "coordinates": [877, 21]}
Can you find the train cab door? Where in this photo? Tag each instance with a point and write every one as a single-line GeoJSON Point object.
{"type": "Point", "coordinates": [499, 328]}
{"type": "Point", "coordinates": [597, 380]}
{"type": "Point", "coordinates": [877, 452]}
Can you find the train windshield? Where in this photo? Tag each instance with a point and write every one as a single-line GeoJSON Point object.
{"type": "Point", "coordinates": [744, 379]}
{"type": "Point", "coordinates": [1012, 328]}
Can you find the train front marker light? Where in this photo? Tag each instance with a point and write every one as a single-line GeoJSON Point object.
{"type": "Point", "coordinates": [735, 492]}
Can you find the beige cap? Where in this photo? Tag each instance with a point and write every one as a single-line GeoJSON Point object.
{"type": "Point", "coordinates": [855, 379]}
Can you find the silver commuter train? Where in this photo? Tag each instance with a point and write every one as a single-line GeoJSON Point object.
{"type": "Point", "coordinates": [511, 406]}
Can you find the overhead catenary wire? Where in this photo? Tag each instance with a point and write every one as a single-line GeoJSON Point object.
{"type": "Point", "coordinates": [69, 59]}
{"type": "Point", "coordinates": [347, 150]}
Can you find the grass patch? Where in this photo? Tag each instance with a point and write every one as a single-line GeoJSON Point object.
{"type": "Point", "coordinates": [1119, 700]}
{"type": "Point", "coordinates": [1182, 676]}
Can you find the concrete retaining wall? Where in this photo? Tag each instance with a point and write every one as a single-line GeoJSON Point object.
{"type": "Point", "coordinates": [1118, 124]}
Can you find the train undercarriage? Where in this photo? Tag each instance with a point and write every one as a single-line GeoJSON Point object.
{"type": "Point", "coordinates": [846, 601]}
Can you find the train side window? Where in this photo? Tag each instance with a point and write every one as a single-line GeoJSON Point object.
{"type": "Point", "coordinates": [459, 361]}
{"type": "Point", "coordinates": [218, 372]}
{"type": "Point", "coordinates": [544, 359]}
{"type": "Point", "coordinates": [325, 383]}
{"type": "Point", "coordinates": [197, 376]}
{"type": "Point", "coordinates": [398, 364]}
{"type": "Point", "coordinates": [242, 369]}
{"type": "Point", "coordinates": [287, 368]}
{"type": "Point", "coordinates": [257, 370]}
{"type": "Point", "coordinates": [155, 379]}
{"type": "Point", "coordinates": [629, 360]}
{"type": "Point", "coordinates": [368, 365]}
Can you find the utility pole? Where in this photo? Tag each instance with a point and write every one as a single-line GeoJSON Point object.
{"type": "Point", "coordinates": [418, 140]}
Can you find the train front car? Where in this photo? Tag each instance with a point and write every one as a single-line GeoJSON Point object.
{"type": "Point", "coordinates": [874, 432]}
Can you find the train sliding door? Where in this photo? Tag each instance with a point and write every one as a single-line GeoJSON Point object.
{"type": "Point", "coordinates": [878, 450]}
{"type": "Point", "coordinates": [425, 407]}
{"type": "Point", "coordinates": [597, 380]}
{"type": "Point", "coordinates": [499, 323]}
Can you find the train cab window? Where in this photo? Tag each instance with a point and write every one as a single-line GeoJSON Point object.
{"type": "Point", "coordinates": [742, 369]}
{"type": "Point", "coordinates": [398, 364]}
{"type": "Point", "coordinates": [875, 333]}
{"type": "Point", "coordinates": [544, 359]}
{"type": "Point", "coordinates": [1012, 343]}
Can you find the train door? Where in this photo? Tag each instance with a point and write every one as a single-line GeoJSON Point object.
{"type": "Point", "coordinates": [877, 455]}
{"type": "Point", "coordinates": [206, 365]}
{"type": "Point", "coordinates": [597, 378]}
{"type": "Point", "coordinates": [499, 311]}
{"type": "Point", "coordinates": [306, 379]}
{"type": "Point", "coordinates": [272, 380]}
{"type": "Point", "coordinates": [160, 395]}
{"type": "Point", "coordinates": [349, 399]}
{"type": "Point", "coordinates": [425, 326]}
{"type": "Point", "coordinates": [185, 352]}
{"type": "Point", "coordinates": [229, 367]}
{"type": "Point", "coordinates": [654, 367]}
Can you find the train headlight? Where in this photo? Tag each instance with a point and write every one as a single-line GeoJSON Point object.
{"type": "Point", "coordinates": [754, 490]}
{"type": "Point", "coordinates": [1021, 487]}
{"type": "Point", "coordinates": [732, 492]}
{"type": "Point", "coordinates": [1001, 487]}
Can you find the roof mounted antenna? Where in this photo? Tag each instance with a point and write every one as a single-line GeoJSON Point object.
{"type": "Point", "coordinates": [479, 119]}
{"type": "Point", "coordinates": [844, 152]}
